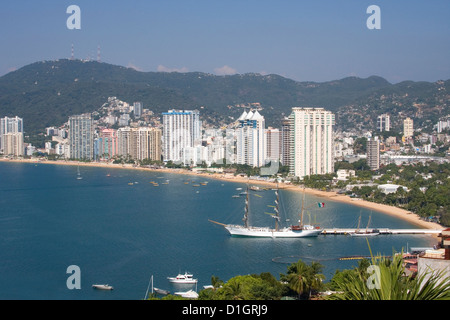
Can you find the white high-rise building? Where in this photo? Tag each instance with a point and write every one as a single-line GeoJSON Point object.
{"type": "Point", "coordinates": [383, 122]}
{"type": "Point", "coordinates": [13, 126]}
{"type": "Point", "coordinates": [251, 139]}
{"type": "Point", "coordinates": [311, 144]}
{"type": "Point", "coordinates": [81, 137]}
{"type": "Point", "coordinates": [181, 129]}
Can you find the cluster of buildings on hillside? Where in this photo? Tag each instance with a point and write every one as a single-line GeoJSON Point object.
{"type": "Point", "coordinates": [306, 142]}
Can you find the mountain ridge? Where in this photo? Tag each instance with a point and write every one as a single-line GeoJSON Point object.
{"type": "Point", "coordinates": [46, 93]}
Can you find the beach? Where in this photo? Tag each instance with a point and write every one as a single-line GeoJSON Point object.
{"type": "Point", "coordinates": [330, 195]}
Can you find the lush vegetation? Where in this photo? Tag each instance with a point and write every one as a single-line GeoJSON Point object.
{"type": "Point", "coordinates": [379, 279]}
{"type": "Point", "coordinates": [47, 93]}
{"type": "Point", "coordinates": [428, 188]}
{"type": "Point", "coordinates": [385, 279]}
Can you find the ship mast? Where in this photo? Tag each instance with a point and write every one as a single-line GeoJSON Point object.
{"type": "Point", "coordinates": [303, 209]}
{"type": "Point", "coordinates": [277, 217]}
{"type": "Point", "coordinates": [245, 219]}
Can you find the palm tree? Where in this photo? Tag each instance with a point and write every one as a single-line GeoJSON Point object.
{"type": "Point", "coordinates": [392, 284]}
{"type": "Point", "coordinates": [303, 278]}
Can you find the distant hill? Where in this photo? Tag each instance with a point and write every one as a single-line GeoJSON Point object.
{"type": "Point", "coordinates": [47, 93]}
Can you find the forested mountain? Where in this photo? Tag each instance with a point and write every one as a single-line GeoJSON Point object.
{"type": "Point", "coordinates": [46, 93]}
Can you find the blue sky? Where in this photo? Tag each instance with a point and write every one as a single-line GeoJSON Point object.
{"type": "Point", "coordinates": [302, 40]}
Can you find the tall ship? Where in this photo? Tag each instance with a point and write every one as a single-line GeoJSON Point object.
{"type": "Point", "coordinates": [294, 231]}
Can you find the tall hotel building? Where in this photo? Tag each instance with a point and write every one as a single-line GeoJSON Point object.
{"type": "Point", "coordinates": [11, 136]}
{"type": "Point", "coordinates": [273, 144]}
{"type": "Point", "coordinates": [311, 143]}
{"type": "Point", "coordinates": [140, 143]}
{"type": "Point", "coordinates": [81, 137]}
{"type": "Point", "coordinates": [181, 129]}
{"type": "Point", "coordinates": [107, 144]}
{"type": "Point", "coordinates": [373, 153]}
{"type": "Point", "coordinates": [285, 141]}
{"type": "Point", "coordinates": [251, 139]}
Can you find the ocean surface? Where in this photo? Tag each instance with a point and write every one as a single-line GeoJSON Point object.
{"type": "Point", "coordinates": [121, 229]}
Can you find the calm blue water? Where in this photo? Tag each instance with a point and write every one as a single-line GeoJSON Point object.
{"type": "Point", "coordinates": [122, 234]}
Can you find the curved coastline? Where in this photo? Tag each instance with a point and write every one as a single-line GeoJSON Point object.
{"type": "Point", "coordinates": [330, 195]}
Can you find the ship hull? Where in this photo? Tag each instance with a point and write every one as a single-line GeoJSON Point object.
{"type": "Point", "coordinates": [255, 232]}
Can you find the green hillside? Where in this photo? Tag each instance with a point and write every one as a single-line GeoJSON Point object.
{"type": "Point", "coordinates": [47, 93]}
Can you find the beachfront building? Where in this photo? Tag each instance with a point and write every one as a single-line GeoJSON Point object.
{"type": "Point", "coordinates": [273, 147]}
{"type": "Point", "coordinates": [139, 143]}
{"type": "Point", "coordinates": [11, 136]}
{"type": "Point", "coordinates": [285, 141]}
{"type": "Point", "coordinates": [251, 139]}
{"type": "Point", "coordinates": [13, 144]}
{"type": "Point", "coordinates": [81, 137]}
{"type": "Point", "coordinates": [181, 129]}
{"type": "Point", "coordinates": [106, 145]}
{"type": "Point", "coordinates": [312, 141]}
{"type": "Point", "coordinates": [373, 153]}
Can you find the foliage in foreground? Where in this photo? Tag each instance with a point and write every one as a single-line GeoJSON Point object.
{"type": "Point", "coordinates": [387, 281]}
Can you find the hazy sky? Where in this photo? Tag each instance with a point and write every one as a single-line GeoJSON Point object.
{"type": "Point", "coordinates": [301, 40]}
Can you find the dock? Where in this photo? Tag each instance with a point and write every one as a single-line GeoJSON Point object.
{"type": "Point", "coordinates": [348, 231]}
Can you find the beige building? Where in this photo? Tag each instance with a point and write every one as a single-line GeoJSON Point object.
{"type": "Point", "coordinates": [13, 144]}
{"type": "Point", "coordinates": [408, 127]}
{"type": "Point", "coordinates": [140, 143]}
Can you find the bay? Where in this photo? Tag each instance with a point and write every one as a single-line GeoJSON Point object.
{"type": "Point", "coordinates": [120, 229]}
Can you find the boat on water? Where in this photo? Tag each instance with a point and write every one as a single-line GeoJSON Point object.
{"type": "Point", "coordinates": [191, 294]}
{"type": "Point", "coordinates": [102, 287]}
{"type": "Point", "coordinates": [183, 278]}
{"type": "Point", "coordinates": [294, 231]}
{"type": "Point", "coordinates": [79, 177]}
{"type": "Point", "coordinates": [365, 233]}
{"type": "Point", "coordinates": [159, 291]}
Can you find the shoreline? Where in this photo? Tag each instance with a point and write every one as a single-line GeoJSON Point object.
{"type": "Point", "coordinates": [330, 195]}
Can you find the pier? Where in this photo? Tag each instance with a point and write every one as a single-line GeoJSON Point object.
{"type": "Point", "coordinates": [349, 231]}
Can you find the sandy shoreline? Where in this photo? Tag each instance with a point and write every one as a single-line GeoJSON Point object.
{"type": "Point", "coordinates": [333, 196]}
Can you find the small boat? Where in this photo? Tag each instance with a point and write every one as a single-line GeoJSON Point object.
{"type": "Point", "coordinates": [183, 278]}
{"type": "Point", "coordinates": [236, 196]}
{"type": "Point", "coordinates": [238, 189]}
{"type": "Point", "coordinates": [102, 286]}
{"type": "Point", "coordinates": [161, 291]}
{"type": "Point", "coordinates": [191, 294]}
{"type": "Point", "coordinates": [79, 177]}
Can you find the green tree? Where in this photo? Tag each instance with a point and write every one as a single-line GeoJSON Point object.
{"type": "Point", "coordinates": [304, 279]}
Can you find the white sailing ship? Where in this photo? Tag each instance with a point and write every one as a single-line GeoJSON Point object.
{"type": "Point", "coordinates": [294, 231]}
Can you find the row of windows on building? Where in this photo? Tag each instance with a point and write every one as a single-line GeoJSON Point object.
{"type": "Point", "coordinates": [304, 143]}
